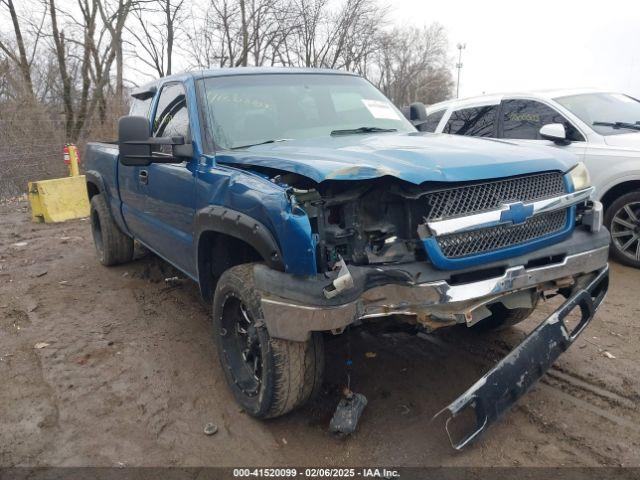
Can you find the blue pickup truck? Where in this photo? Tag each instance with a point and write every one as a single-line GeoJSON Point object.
{"type": "Point", "coordinates": [303, 204]}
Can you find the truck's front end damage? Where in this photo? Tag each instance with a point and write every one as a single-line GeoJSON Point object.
{"type": "Point", "coordinates": [436, 254]}
{"type": "Point", "coordinates": [505, 383]}
{"type": "Point", "coordinates": [444, 254]}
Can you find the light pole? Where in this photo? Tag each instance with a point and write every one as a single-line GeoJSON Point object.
{"type": "Point", "coordinates": [460, 46]}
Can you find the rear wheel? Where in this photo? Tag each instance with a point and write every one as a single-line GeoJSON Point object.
{"type": "Point", "coordinates": [268, 377]}
{"type": "Point", "coordinates": [623, 221]}
{"type": "Point", "coordinates": [112, 246]}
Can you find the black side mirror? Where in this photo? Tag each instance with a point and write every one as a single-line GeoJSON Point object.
{"type": "Point", "coordinates": [416, 113]}
{"type": "Point", "coordinates": [134, 129]}
{"type": "Point", "coordinates": [135, 144]}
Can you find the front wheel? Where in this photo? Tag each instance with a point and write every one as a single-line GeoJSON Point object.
{"type": "Point", "coordinates": [268, 376]}
{"type": "Point", "coordinates": [623, 220]}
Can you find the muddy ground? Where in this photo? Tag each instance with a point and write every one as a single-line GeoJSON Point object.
{"type": "Point", "coordinates": [127, 374]}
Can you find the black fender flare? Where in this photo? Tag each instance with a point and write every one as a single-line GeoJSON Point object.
{"type": "Point", "coordinates": [239, 225]}
{"type": "Point", "coordinates": [95, 177]}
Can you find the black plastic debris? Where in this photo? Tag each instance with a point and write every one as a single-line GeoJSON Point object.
{"type": "Point", "coordinates": [350, 408]}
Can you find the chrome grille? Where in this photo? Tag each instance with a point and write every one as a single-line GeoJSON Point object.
{"type": "Point", "coordinates": [491, 195]}
{"type": "Point", "coordinates": [494, 238]}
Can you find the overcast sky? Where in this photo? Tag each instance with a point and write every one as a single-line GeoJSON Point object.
{"type": "Point", "coordinates": [518, 45]}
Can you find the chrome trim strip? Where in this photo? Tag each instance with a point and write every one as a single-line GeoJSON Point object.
{"type": "Point", "coordinates": [292, 321]}
{"type": "Point", "coordinates": [493, 218]}
{"type": "Point", "coordinates": [513, 279]}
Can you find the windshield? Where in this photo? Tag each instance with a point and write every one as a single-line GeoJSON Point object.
{"type": "Point", "coordinates": [246, 110]}
{"type": "Point", "coordinates": [610, 108]}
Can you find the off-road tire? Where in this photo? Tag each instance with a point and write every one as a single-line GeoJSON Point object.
{"type": "Point", "coordinates": [112, 246]}
{"type": "Point", "coordinates": [502, 318]}
{"type": "Point", "coordinates": [614, 208]}
{"type": "Point", "coordinates": [291, 371]}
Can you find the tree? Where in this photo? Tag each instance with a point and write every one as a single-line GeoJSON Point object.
{"type": "Point", "coordinates": [240, 33]}
{"type": "Point", "coordinates": [20, 59]}
{"type": "Point", "coordinates": [411, 64]}
{"type": "Point", "coordinates": [115, 21]}
{"type": "Point", "coordinates": [84, 61]}
{"type": "Point", "coordinates": [341, 38]}
{"type": "Point", "coordinates": [156, 39]}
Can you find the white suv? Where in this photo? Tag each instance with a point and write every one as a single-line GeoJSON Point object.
{"type": "Point", "coordinates": [601, 128]}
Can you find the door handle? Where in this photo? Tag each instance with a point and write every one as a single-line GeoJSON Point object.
{"type": "Point", "coordinates": [143, 177]}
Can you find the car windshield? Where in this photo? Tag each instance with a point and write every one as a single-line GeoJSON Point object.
{"type": "Point", "coordinates": [246, 110]}
{"type": "Point", "coordinates": [608, 111]}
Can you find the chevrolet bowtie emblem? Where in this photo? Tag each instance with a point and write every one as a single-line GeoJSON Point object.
{"type": "Point", "coordinates": [517, 213]}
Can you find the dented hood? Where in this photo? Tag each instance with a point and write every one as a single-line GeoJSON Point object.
{"type": "Point", "coordinates": [413, 157]}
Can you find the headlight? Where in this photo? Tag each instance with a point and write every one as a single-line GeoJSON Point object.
{"type": "Point", "coordinates": [580, 177]}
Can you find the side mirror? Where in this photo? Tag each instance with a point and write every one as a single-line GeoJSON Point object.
{"type": "Point", "coordinates": [417, 112]}
{"type": "Point", "coordinates": [134, 129]}
{"type": "Point", "coordinates": [135, 144]}
{"type": "Point", "coordinates": [554, 132]}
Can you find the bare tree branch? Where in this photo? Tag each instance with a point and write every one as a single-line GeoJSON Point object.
{"type": "Point", "coordinates": [21, 60]}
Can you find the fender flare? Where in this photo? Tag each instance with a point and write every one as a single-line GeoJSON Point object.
{"type": "Point", "coordinates": [95, 177]}
{"type": "Point", "coordinates": [239, 225]}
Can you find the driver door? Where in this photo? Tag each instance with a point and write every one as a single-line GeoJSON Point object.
{"type": "Point", "coordinates": [170, 187]}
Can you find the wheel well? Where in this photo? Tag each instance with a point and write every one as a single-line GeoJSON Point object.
{"type": "Point", "coordinates": [218, 252]}
{"type": "Point", "coordinates": [92, 189]}
{"type": "Point", "coordinates": [619, 190]}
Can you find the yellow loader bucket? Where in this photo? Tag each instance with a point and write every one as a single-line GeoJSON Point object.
{"type": "Point", "coordinates": [59, 199]}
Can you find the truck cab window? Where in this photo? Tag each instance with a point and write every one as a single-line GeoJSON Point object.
{"type": "Point", "coordinates": [475, 122]}
{"type": "Point", "coordinates": [140, 108]}
{"type": "Point", "coordinates": [432, 121]}
{"type": "Point", "coordinates": [523, 119]}
{"type": "Point", "coordinates": [172, 117]}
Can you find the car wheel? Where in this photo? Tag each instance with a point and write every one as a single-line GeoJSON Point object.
{"type": "Point", "coordinates": [112, 246]}
{"type": "Point", "coordinates": [268, 376]}
{"type": "Point", "coordinates": [623, 220]}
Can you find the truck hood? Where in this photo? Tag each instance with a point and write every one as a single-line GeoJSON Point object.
{"type": "Point", "coordinates": [412, 157]}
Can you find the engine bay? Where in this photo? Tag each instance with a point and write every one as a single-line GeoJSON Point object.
{"type": "Point", "coordinates": [363, 222]}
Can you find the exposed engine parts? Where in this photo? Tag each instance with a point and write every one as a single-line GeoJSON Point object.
{"type": "Point", "coordinates": [370, 223]}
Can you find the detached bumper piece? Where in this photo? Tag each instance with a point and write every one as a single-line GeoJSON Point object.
{"type": "Point", "coordinates": [512, 377]}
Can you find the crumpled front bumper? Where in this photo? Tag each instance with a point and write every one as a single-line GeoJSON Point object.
{"type": "Point", "coordinates": [510, 379]}
{"type": "Point", "coordinates": [434, 303]}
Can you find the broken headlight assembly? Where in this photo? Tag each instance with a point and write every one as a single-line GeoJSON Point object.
{"type": "Point", "coordinates": [362, 224]}
{"type": "Point", "coordinates": [580, 177]}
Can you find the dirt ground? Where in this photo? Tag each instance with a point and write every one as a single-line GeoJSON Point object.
{"type": "Point", "coordinates": [115, 366]}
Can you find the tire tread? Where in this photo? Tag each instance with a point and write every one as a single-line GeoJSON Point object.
{"type": "Point", "coordinates": [117, 247]}
{"type": "Point", "coordinates": [297, 366]}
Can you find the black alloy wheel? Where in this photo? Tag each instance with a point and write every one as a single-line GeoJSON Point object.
{"type": "Point", "coordinates": [241, 345]}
